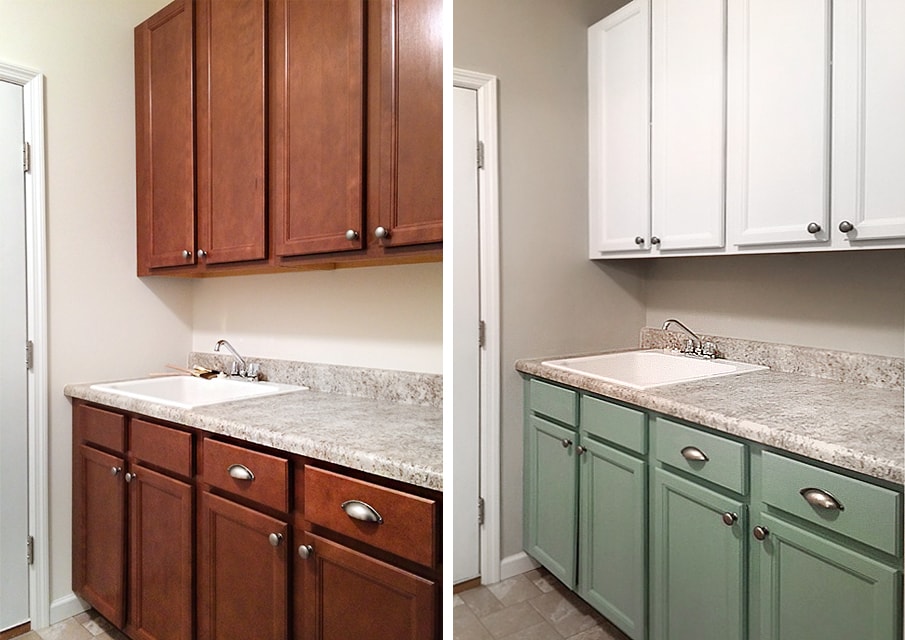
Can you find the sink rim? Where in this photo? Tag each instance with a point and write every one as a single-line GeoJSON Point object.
{"type": "Point", "coordinates": [737, 368]}
{"type": "Point", "coordinates": [181, 397]}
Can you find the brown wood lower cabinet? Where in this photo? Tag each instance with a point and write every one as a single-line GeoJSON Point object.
{"type": "Point", "coordinates": [181, 535]}
{"type": "Point", "coordinates": [341, 593]}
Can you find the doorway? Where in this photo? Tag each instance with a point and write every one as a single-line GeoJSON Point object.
{"type": "Point", "coordinates": [476, 344]}
{"type": "Point", "coordinates": [24, 570]}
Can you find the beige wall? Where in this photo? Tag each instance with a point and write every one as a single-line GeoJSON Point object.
{"type": "Point", "coordinates": [104, 322]}
{"type": "Point", "coordinates": [554, 300]}
{"type": "Point", "coordinates": [851, 301]}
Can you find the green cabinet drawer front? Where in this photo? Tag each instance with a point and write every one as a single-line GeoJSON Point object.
{"type": "Point", "coordinates": [698, 563]}
{"type": "Point", "coordinates": [551, 494]}
{"type": "Point", "coordinates": [814, 589]}
{"type": "Point", "coordinates": [612, 531]}
{"type": "Point", "coordinates": [726, 463]}
{"type": "Point", "coordinates": [870, 514]}
{"type": "Point", "coordinates": [553, 402]}
{"type": "Point", "coordinates": [614, 423]}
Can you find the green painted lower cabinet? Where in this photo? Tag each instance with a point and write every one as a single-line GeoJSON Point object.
{"type": "Point", "coordinates": [612, 535]}
{"type": "Point", "coordinates": [697, 562]}
{"type": "Point", "coordinates": [551, 494]}
{"type": "Point", "coordinates": [814, 589]}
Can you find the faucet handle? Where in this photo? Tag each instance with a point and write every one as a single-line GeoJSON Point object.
{"type": "Point", "coordinates": [708, 350]}
{"type": "Point", "coordinates": [689, 346]}
{"type": "Point", "coordinates": [234, 369]}
{"type": "Point", "coordinates": [253, 370]}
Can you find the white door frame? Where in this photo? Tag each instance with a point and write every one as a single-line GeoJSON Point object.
{"type": "Point", "coordinates": [489, 229]}
{"type": "Point", "coordinates": [32, 84]}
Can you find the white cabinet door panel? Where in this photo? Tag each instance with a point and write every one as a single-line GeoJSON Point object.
{"type": "Point", "coordinates": [688, 136]}
{"type": "Point", "coordinates": [869, 119]}
{"type": "Point", "coordinates": [779, 121]}
{"type": "Point", "coordinates": [619, 130]}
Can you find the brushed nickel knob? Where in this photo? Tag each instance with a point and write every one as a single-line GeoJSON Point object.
{"type": "Point", "coordinates": [114, 471]}
{"type": "Point", "coordinates": [382, 232]}
{"type": "Point", "coordinates": [201, 253]}
{"type": "Point", "coordinates": [305, 551]}
{"type": "Point", "coordinates": [351, 234]}
{"type": "Point", "coordinates": [275, 539]}
{"type": "Point", "coordinates": [131, 476]}
{"type": "Point", "coordinates": [186, 254]}
{"type": "Point", "coordinates": [814, 228]}
{"type": "Point", "coordinates": [639, 240]}
{"type": "Point", "coordinates": [580, 450]}
{"type": "Point", "coordinates": [761, 532]}
{"type": "Point", "coordinates": [729, 518]}
{"type": "Point", "coordinates": [566, 443]}
{"type": "Point", "coordinates": [654, 240]}
{"type": "Point", "coordinates": [845, 226]}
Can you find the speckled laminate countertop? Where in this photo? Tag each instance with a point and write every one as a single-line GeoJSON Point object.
{"type": "Point", "coordinates": [853, 426]}
{"type": "Point", "coordinates": [390, 439]}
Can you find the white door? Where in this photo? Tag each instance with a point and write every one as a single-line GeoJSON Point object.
{"type": "Point", "coordinates": [13, 375]}
{"type": "Point", "coordinates": [466, 350]}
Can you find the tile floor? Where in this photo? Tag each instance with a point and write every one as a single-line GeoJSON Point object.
{"type": "Point", "coordinates": [530, 606]}
{"type": "Point", "coordinates": [88, 625]}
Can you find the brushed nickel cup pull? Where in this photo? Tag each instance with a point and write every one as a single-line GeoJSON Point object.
{"type": "Point", "coordinates": [240, 472]}
{"type": "Point", "coordinates": [822, 499]}
{"type": "Point", "coordinates": [306, 551]}
{"type": "Point", "coordinates": [275, 539]}
{"type": "Point", "coordinates": [694, 454]}
{"type": "Point", "coordinates": [729, 518]}
{"type": "Point", "coordinates": [358, 510]}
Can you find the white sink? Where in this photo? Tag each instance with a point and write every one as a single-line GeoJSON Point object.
{"type": "Point", "coordinates": [650, 368]}
{"type": "Point", "coordinates": [188, 392]}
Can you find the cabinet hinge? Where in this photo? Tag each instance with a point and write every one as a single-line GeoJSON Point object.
{"type": "Point", "coordinates": [30, 549]}
{"type": "Point", "coordinates": [29, 354]}
{"type": "Point", "coordinates": [480, 511]}
{"type": "Point", "coordinates": [480, 155]}
{"type": "Point", "coordinates": [482, 334]}
{"type": "Point", "coordinates": [26, 157]}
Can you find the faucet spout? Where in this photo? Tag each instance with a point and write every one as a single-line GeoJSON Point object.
{"type": "Point", "coordinates": [239, 359]}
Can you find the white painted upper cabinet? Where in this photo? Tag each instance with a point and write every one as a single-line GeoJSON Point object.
{"type": "Point", "coordinates": [619, 131]}
{"type": "Point", "coordinates": [688, 133]}
{"type": "Point", "coordinates": [778, 147]}
{"type": "Point", "coordinates": [868, 196]}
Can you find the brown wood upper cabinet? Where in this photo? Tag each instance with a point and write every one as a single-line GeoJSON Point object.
{"type": "Point", "coordinates": [311, 129]}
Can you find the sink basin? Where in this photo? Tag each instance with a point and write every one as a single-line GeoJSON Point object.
{"type": "Point", "coordinates": [650, 368]}
{"type": "Point", "coordinates": [188, 392]}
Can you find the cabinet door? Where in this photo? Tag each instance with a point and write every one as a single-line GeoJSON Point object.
{"type": "Point", "coordinates": [619, 131]}
{"type": "Point", "coordinates": [231, 144]}
{"type": "Point", "coordinates": [242, 575]}
{"type": "Point", "coordinates": [160, 556]}
{"type": "Point", "coordinates": [551, 493]}
{"type": "Point", "coordinates": [815, 589]}
{"type": "Point", "coordinates": [165, 135]}
{"type": "Point", "coordinates": [317, 125]}
{"type": "Point", "coordinates": [688, 137]}
{"type": "Point", "coordinates": [868, 127]}
{"type": "Point", "coordinates": [99, 529]}
{"type": "Point", "coordinates": [612, 534]}
{"type": "Point", "coordinates": [697, 563]}
{"type": "Point", "coordinates": [341, 594]}
{"type": "Point", "coordinates": [779, 121]}
{"type": "Point", "coordinates": [406, 121]}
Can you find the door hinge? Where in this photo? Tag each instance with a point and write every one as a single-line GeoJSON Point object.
{"type": "Point", "coordinates": [480, 155]}
{"type": "Point", "coordinates": [30, 549]}
{"type": "Point", "coordinates": [480, 511]}
{"type": "Point", "coordinates": [26, 157]}
{"type": "Point", "coordinates": [29, 354]}
{"type": "Point", "coordinates": [482, 334]}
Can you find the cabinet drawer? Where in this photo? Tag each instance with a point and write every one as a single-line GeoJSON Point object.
{"type": "Point", "coordinates": [409, 526]}
{"type": "Point", "coordinates": [104, 428]}
{"type": "Point", "coordinates": [726, 462]}
{"type": "Point", "coordinates": [268, 481]}
{"type": "Point", "coordinates": [869, 514]}
{"type": "Point", "coordinates": [553, 402]}
{"type": "Point", "coordinates": [614, 423]}
{"type": "Point", "coordinates": [161, 446]}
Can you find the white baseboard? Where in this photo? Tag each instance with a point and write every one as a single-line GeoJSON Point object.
{"type": "Point", "coordinates": [515, 564]}
{"type": "Point", "coordinates": [66, 607]}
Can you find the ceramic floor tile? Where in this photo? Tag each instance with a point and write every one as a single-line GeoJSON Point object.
{"type": "Point", "coordinates": [68, 629]}
{"type": "Point", "coordinates": [514, 590]}
{"type": "Point", "coordinates": [466, 625]}
{"type": "Point", "coordinates": [481, 601]}
{"type": "Point", "coordinates": [540, 631]}
{"type": "Point", "coordinates": [567, 615]}
{"type": "Point", "coordinates": [511, 620]}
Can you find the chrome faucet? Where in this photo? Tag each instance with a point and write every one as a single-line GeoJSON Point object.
{"type": "Point", "coordinates": [240, 367]}
{"type": "Point", "coordinates": [695, 346]}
